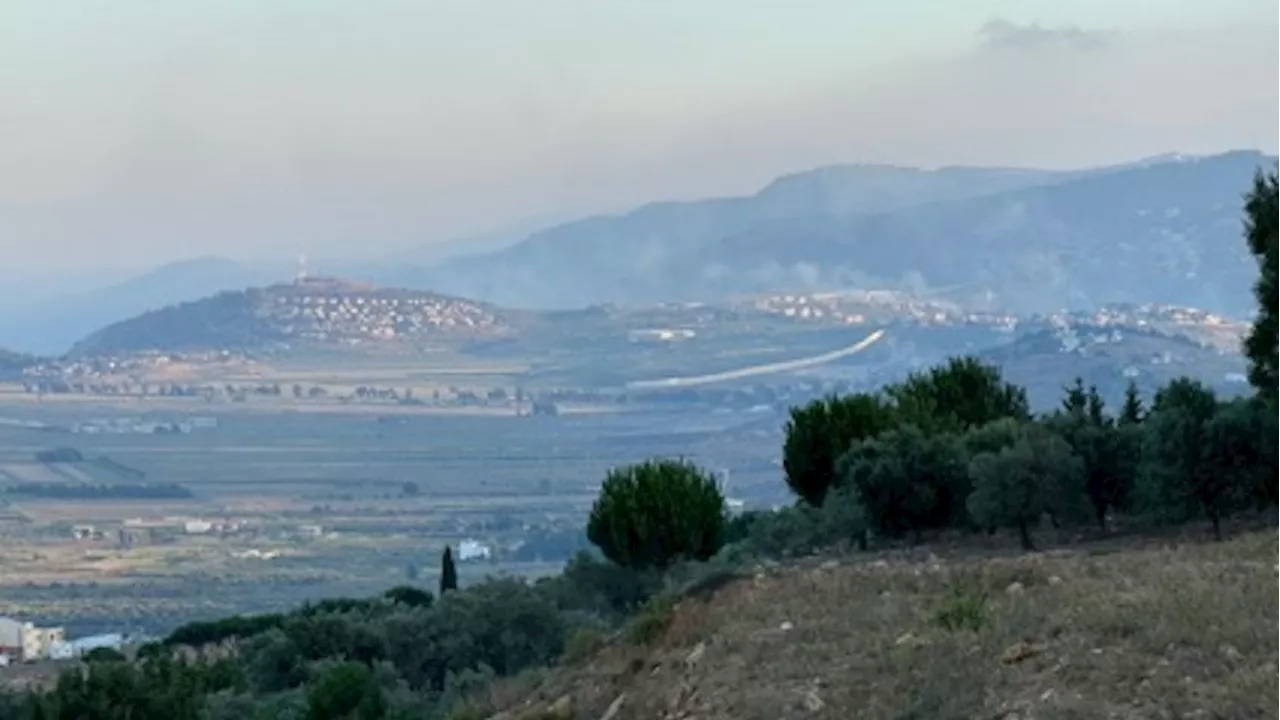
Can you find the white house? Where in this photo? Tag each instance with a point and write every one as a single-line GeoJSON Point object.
{"type": "Point", "coordinates": [469, 550]}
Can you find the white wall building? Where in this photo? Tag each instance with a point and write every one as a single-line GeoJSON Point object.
{"type": "Point", "coordinates": [470, 550]}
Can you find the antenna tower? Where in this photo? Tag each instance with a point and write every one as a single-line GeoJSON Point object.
{"type": "Point", "coordinates": [302, 265]}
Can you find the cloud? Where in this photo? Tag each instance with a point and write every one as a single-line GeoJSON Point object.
{"type": "Point", "coordinates": [999, 33]}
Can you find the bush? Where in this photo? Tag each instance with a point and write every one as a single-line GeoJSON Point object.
{"type": "Point", "coordinates": [104, 654]}
{"type": "Point", "coordinates": [804, 529]}
{"type": "Point", "coordinates": [411, 596]}
{"type": "Point", "coordinates": [652, 621]}
{"type": "Point", "coordinates": [582, 644]}
{"type": "Point", "coordinates": [345, 691]}
{"type": "Point", "coordinates": [656, 513]}
{"type": "Point", "coordinates": [593, 586]}
{"type": "Point", "coordinates": [964, 609]}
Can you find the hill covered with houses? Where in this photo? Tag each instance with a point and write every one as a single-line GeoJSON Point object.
{"type": "Point", "coordinates": [311, 311]}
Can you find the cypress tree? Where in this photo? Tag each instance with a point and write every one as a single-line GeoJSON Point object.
{"type": "Point", "coordinates": [1260, 232]}
{"type": "Point", "coordinates": [1132, 412]}
{"type": "Point", "coordinates": [448, 572]}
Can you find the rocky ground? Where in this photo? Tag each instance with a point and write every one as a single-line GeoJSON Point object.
{"type": "Point", "coordinates": [1157, 628]}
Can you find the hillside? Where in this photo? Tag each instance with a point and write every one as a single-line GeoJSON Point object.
{"type": "Point", "coordinates": [13, 363]}
{"type": "Point", "coordinates": [52, 326]}
{"type": "Point", "coordinates": [1163, 630]}
{"type": "Point", "coordinates": [631, 251]}
{"type": "Point", "coordinates": [315, 311]}
{"type": "Point", "coordinates": [1166, 230]}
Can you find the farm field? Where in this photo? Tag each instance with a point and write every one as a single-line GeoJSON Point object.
{"type": "Point", "coordinates": [286, 506]}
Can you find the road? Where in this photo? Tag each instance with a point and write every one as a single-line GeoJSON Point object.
{"type": "Point", "coordinates": [754, 370]}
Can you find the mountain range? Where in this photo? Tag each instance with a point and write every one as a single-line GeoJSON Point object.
{"type": "Point", "coordinates": [1164, 229]}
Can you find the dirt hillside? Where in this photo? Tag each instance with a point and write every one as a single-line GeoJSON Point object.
{"type": "Point", "coordinates": [1169, 630]}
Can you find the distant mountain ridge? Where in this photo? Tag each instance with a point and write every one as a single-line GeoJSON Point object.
{"type": "Point", "coordinates": [51, 327]}
{"type": "Point", "coordinates": [1163, 229]}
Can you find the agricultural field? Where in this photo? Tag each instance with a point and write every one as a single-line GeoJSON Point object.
{"type": "Point", "coordinates": [273, 507]}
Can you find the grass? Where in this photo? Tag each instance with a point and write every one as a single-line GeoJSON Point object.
{"type": "Point", "coordinates": [1161, 631]}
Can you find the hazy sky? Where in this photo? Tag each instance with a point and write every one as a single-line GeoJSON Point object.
{"type": "Point", "coordinates": [133, 132]}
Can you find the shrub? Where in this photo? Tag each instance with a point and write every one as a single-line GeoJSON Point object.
{"type": "Point", "coordinates": [104, 654]}
{"type": "Point", "coordinates": [653, 514]}
{"type": "Point", "coordinates": [344, 691]}
{"type": "Point", "coordinates": [411, 596]}
{"type": "Point", "coordinates": [965, 608]}
{"type": "Point", "coordinates": [583, 643]}
{"type": "Point", "coordinates": [592, 585]}
{"type": "Point", "coordinates": [652, 621]}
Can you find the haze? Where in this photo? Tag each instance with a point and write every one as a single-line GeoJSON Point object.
{"type": "Point", "coordinates": [137, 133]}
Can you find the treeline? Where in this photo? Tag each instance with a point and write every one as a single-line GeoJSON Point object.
{"type": "Point", "coordinates": [405, 654]}
{"type": "Point", "coordinates": [956, 447]}
{"type": "Point", "coordinates": [104, 491]}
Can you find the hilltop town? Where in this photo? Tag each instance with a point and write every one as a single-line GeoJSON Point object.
{"type": "Point", "coordinates": [309, 311]}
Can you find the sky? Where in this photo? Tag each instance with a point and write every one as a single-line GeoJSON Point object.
{"type": "Point", "coordinates": [138, 132]}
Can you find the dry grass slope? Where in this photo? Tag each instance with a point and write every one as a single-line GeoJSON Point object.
{"type": "Point", "coordinates": [1164, 631]}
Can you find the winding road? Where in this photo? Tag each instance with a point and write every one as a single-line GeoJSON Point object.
{"type": "Point", "coordinates": [768, 369]}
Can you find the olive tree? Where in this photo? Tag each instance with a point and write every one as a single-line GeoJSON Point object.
{"type": "Point", "coordinates": [1015, 486]}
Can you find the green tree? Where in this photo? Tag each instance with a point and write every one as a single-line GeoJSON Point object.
{"type": "Point", "coordinates": [1132, 412]}
{"type": "Point", "coordinates": [448, 572]}
{"type": "Point", "coordinates": [963, 393]}
{"type": "Point", "coordinates": [345, 691]}
{"type": "Point", "coordinates": [1178, 480]}
{"type": "Point", "coordinates": [1075, 400]}
{"type": "Point", "coordinates": [1015, 486]}
{"type": "Point", "coordinates": [820, 432]}
{"type": "Point", "coordinates": [409, 595]}
{"type": "Point", "coordinates": [1102, 447]}
{"type": "Point", "coordinates": [1260, 221]}
{"type": "Point", "coordinates": [655, 513]}
{"type": "Point", "coordinates": [908, 480]}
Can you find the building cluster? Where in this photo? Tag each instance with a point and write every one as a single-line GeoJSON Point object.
{"type": "Point", "coordinates": [137, 426]}
{"type": "Point", "coordinates": [86, 373]}
{"type": "Point", "coordinates": [1200, 326]}
{"type": "Point", "coordinates": [22, 642]}
{"type": "Point", "coordinates": [858, 307]}
{"type": "Point", "coordinates": [329, 311]}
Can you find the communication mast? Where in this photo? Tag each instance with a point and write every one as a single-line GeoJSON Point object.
{"type": "Point", "coordinates": [302, 265]}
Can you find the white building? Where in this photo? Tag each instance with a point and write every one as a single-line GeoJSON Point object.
{"type": "Point", "coordinates": [65, 650]}
{"type": "Point", "coordinates": [25, 641]}
{"type": "Point", "coordinates": [197, 527]}
{"type": "Point", "coordinates": [469, 550]}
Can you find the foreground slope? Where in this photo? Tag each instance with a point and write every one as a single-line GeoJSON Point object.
{"type": "Point", "coordinates": [1163, 630]}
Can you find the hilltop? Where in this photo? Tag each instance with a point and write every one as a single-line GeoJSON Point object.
{"type": "Point", "coordinates": [1165, 231]}
{"type": "Point", "coordinates": [315, 311]}
{"type": "Point", "coordinates": [13, 363]}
